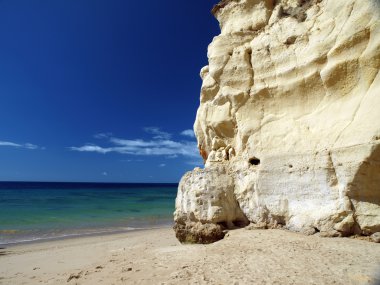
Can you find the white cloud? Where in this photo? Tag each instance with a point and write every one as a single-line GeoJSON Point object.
{"type": "Point", "coordinates": [91, 148]}
{"type": "Point", "coordinates": [2, 143]}
{"type": "Point", "coordinates": [132, 143]}
{"type": "Point", "coordinates": [131, 160]}
{"type": "Point", "coordinates": [172, 156]}
{"type": "Point", "coordinates": [25, 145]}
{"type": "Point", "coordinates": [144, 148]}
{"type": "Point", "coordinates": [162, 165]}
{"type": "Point", "coordinates": [158, 134]}
{"type": "Point", "coordinates": [188, 133]}
{"type": "Point", "coordinates": [30, 146]}
{"type": "Point", "coordinates": [102, 135]}
{"type": "Point", "coordinates": [104, 173]}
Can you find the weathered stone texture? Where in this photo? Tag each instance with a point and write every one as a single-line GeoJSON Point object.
{"type": "Point", "coordinates": [289, 119]}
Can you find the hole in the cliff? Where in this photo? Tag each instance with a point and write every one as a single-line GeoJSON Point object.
{"type": "Point", "coordinates": [254, 161]}
{"type": "Point", "coordinates": [316, 230]}
{"type": "Point", "coordinates": [283, 12]}
{"type": "Point", "coordinates": [291, 40]}
{"type": "Point", "coordinates": [290, 166]}
{"type": "Point", "coordinates": [230, 53]}
{"type": "Point", "coordinates": [298, 13]}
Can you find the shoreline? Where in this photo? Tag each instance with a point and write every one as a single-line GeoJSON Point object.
{"type": "Point", "coordinates": [31, 212]}
{"type": "Point", "coordinates": [110, 232]}
{"type": "Point", "coordinates": [154, 256]}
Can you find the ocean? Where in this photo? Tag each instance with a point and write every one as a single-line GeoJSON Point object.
{"type": "Point", "coordinates": [33, 211]}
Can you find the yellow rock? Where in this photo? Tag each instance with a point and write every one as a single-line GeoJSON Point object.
{"type": "Point", "coordinates": [294, 88]}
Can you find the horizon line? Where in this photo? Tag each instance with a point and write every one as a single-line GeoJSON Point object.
{"type": "Point", "coordinates": [86, 182]}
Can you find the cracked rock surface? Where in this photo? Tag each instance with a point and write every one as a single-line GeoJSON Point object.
{"type": "Point", "coordinates": [289, 120]}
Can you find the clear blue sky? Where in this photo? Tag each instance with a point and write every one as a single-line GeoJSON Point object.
{"type": "Point", "coordinates": [100, 90]}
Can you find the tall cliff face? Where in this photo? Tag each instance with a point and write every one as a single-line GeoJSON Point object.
{"type": "Point", "coordinates": [288, 122]}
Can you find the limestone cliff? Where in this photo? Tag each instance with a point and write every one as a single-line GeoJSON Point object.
{"type": "Point", "coordinates": [288, 122]}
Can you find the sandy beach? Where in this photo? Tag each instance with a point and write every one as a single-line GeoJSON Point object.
{"type": "Point", "coordinates": [156, 257]}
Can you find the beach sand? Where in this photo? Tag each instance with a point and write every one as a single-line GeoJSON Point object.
{"type": "Point", "coordinates": [156, 257]}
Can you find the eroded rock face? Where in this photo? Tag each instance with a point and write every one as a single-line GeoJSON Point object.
{"type": "Point", "coordinates": [206, 205]}
{"type": "Point", "coordinates": [289, 119]}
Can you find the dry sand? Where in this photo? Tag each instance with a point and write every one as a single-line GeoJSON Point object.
{"type": "Point", "coordinates": [156, 257]}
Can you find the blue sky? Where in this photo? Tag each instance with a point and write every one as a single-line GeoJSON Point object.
{"type": "Point", "coordinates": [104, 90]}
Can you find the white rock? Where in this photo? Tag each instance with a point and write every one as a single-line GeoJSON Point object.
{"type": "Point", "coordinates": [297, 86]}
{"type": "Point", "coordinates": [376, 237]}
{"type": "Point", "coordinates": [207, 196]}
{"type": "Point", "coordinates": [217, 143]}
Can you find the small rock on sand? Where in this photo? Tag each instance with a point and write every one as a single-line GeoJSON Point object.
{"type": "Point", "coordinates": [376, 237]}
{"type": "Point", "coordinates": [75, 276]}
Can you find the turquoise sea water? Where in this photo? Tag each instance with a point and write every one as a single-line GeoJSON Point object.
{"type": "Point", "coordinates": [36, 211]}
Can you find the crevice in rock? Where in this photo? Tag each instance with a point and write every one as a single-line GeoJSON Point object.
{"type": "Point", "coordinates": [291, 40]}
{"type": "Point", "coordinates": [240, 223]}
{"type": "Point", "coordinates": [356, 227]}
{"type": "Point", "coordinates": [331, 171]}
{"type": "Point", "coordinates": [277, 221]}
{"type": "Point", "coordinates": [203, 153]}
{"type": "Point", "coordinates": [299, 12]}
{"type": "Point", "coordinates": [249, 59]}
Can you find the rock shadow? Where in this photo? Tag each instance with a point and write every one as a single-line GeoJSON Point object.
{"type": "Point", "coordinates": [365, 186]}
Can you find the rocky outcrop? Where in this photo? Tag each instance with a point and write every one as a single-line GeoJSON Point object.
{"type": "Point", "coordinates": [289, 121]}
{"type": "Point", "coordinates": [206, 205]}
